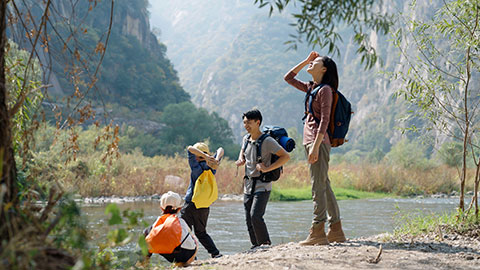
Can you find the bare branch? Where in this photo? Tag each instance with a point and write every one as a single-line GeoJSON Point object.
{"type": "Point", "coordinates": [21, 99]}
{"type": "Point", "coordinates": [37, 36]}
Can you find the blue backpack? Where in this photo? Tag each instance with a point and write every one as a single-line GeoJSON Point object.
{"type": "Point", "coordinates": [339, 117]}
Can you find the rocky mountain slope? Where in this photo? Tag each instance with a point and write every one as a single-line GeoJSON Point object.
{"type": "Point", "coordinates": [232, 57]}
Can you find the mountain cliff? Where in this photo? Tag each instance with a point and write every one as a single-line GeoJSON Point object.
{"type": "Point", "coordinates": [136, 85]}
{"type": "Point", "coordinates": [135, 74]}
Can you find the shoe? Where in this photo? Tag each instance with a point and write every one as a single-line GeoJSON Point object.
{"type": "Point", "coordinates": [317, 235]}
{"type": "Point", "coordinates": [335, 233]}
{"type": "Point", "coordinates": [254, 246]}
{"type": "Point", "coordinates": [266, 245]}
{"type": "Point", "coordinates": [179, 264]}
{"type": "Point", "coordinates": [217, 255]}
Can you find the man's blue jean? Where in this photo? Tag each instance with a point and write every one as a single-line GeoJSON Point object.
{"type": "Point", "coordinates": [255, 205]}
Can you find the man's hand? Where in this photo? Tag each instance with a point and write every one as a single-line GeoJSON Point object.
{"type": "Point", "coordinates": [261, 168]}
{"type": "Point", "coordinates": [313, 155]}
{"type": "Point", "coordinates": [240, 162]}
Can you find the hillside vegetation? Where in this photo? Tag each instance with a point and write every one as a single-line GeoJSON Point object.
{"type": "Point", "coordinates": [137, 87]}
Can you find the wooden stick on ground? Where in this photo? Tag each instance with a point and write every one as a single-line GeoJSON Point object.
{"type": "Point", "coordinates": [376, 259]}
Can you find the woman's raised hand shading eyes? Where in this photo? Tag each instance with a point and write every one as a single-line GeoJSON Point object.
{"type": "Point", "coordinates": [312, 56]}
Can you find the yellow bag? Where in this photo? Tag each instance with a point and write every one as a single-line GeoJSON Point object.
{"type": "Point", "coordinates": [205, 192]}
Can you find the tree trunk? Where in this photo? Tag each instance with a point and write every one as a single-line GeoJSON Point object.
{"type": "Point", "coordinates": [475, 195]}
{"type": "Point", "coordinates": [474, 201]}
{"type": "Point", "coordinates": [8, 172]}
{"type": "Point", "coordinates": [461, 204]}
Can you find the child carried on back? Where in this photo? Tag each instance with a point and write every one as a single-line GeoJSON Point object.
{"type": "Point", "coordinates": [170, 235]}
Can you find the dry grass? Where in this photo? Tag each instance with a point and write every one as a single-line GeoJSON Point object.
{"type": "Point", "coordinates": [397, 180]}
{"type": "Point", "coordinates": [134, 175]}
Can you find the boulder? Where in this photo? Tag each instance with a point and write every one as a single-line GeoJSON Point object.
{"type": "Point", "coordinates": [173, 182]}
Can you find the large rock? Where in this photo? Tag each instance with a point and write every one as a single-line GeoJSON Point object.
{"type": "Point", "coordinates": [173, 182]}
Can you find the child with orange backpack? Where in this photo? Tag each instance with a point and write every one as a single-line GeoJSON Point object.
{"type": "Point", "coordinates": [170, 235]}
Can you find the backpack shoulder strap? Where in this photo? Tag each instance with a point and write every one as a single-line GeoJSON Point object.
{"type": "Point", "coordinates": [246, 143]}
{"type": "Point", "coordinates": [309, 97]}
{"type": "Point", "coordinates": [259, 146]}
{"type": "Point", "coordinates": [331, 124]}
{"type": "Point", "coordinates": [185, 238]}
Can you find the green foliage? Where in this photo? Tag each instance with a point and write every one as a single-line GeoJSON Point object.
{"type": "Point", "coordinates": [120, 234]}
{"type": "Point", "coordinates": [143, 245]}
{"type": "Point", "coordinates": [135, 72]}
{"type": "Point", "coordinates": [450, 153]}
{"type": "Point", "coordinates": [438, 79]}
{"type": "Point", "coordinates": [132, 138]}
{"type": "Point", "coordinates": [50, 142]}
{"type": "Point", "coordinates": [419, 223]}
{"type": "Point", "coordinates": [441, 77]}
{"type": "Point", "coordinates": [408, 155]}
{"type": "Point", "coordinates": [375, 156]}
{"type": "Point", "coordinates": [299, 194]}
{"type": "Point", "coordinates": [115, 217]}
{"type": "Point", "coordinates": [375, 136]}
{"type": "Point", "coordinates": [298, 154]}
{"type": "Point", "coordinates": [291, 194]}
{"type": "Point", "coordinates": [23, 81]}
{"type": "Point", "coordinates": [316, 21]}
{"type": "Point", "coordinates": [185, 125]}
{"type": "Point", "coordinates": [353, 156]}
{"type": "Point", "coordinates": [413, 224]}
{"type": "Point", "coordinates": [138, 78]}
{"type": "Point", "coordinates": [71, 230]}
{"type": "Point", "coordinates": [132, 173]}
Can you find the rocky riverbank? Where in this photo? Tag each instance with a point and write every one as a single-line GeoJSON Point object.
{"type": "Point", "coordinates": [431, 251]}
{"type": "Point", "coordinates": [222, 197]}
{"type": "Point", "coordinates": [144, 198]}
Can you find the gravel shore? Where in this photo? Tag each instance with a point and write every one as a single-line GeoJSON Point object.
{"type": "Point", "coordinates": [432, 251]}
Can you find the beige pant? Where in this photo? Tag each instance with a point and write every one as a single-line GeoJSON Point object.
{"type": "Point", "coordinates": [323, 197]}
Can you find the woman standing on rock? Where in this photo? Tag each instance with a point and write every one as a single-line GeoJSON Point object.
{"type": "Point", "coordinates": [317, 145]}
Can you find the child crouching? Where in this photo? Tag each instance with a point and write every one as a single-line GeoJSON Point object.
{"type": "Point", "coordinates": [170, 235]}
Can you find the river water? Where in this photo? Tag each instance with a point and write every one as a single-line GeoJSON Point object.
{"type": "Point", "coordinates": [286, 221]}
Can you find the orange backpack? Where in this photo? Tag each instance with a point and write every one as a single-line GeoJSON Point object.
{"type": "Point", "coordinates": [165, 236]}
